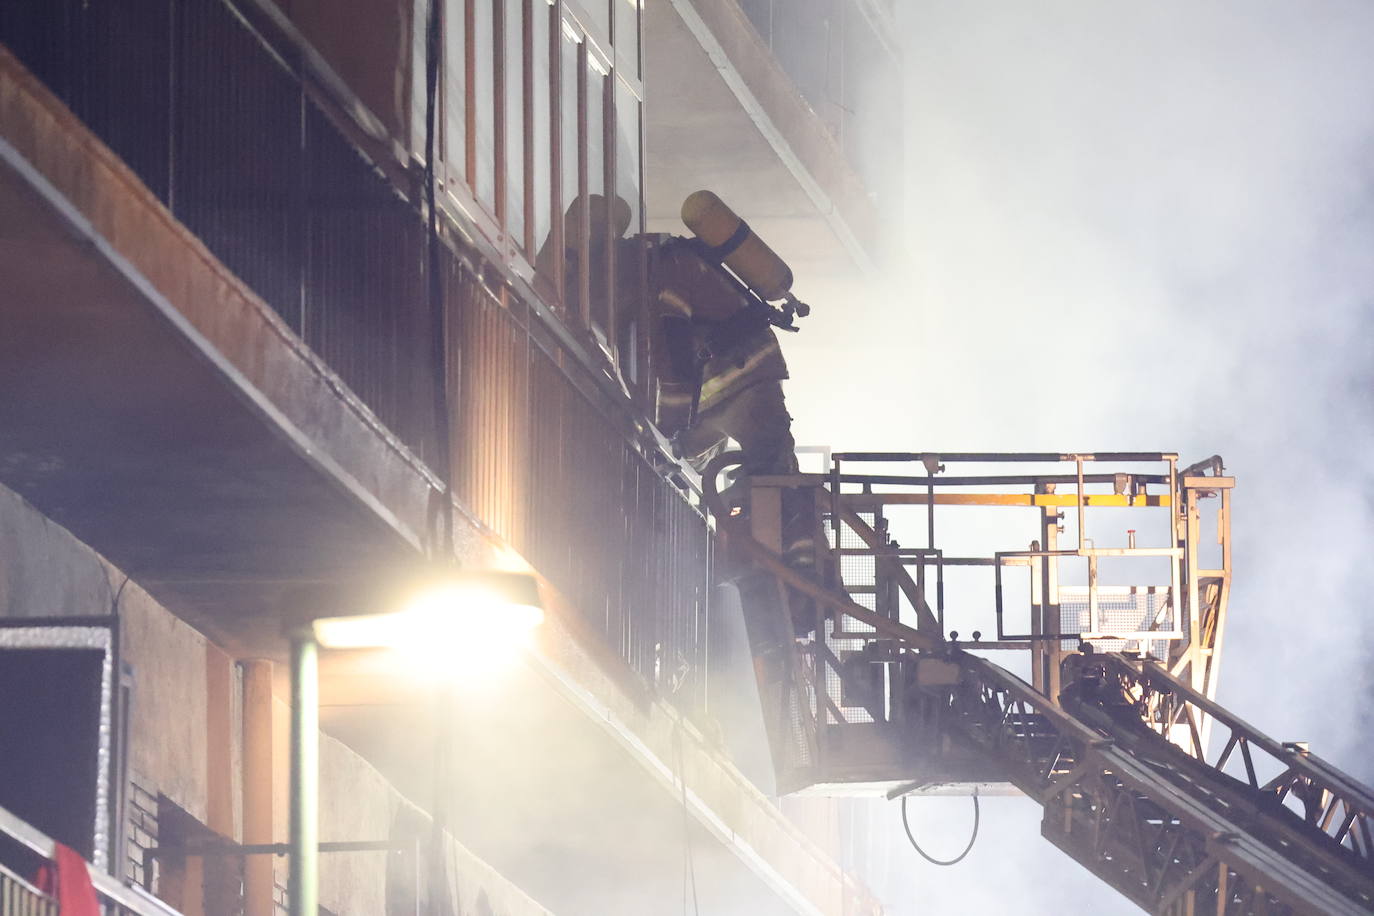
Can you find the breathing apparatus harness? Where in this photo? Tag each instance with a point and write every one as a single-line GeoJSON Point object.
{"type": "Point", "coordinates": [755, 315]}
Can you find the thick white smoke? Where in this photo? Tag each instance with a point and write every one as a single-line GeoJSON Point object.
{"type": "Point", "coordinates": [1137, 226]}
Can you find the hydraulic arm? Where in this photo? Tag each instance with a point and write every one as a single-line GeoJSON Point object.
{"type": "Point", "coordinates": [1169, 829]}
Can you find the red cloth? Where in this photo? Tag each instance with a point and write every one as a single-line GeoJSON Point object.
{"type": "Point", "coordinates": [67, 879]}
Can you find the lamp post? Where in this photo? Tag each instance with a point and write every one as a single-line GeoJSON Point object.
{"type": "Point", "coordinates": [455, 622]}
{"type": "Point", "coordinates": [303, 880]}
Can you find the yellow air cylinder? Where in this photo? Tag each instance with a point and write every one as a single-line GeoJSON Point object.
{"type": "Point", "coordinates": [731, 241]}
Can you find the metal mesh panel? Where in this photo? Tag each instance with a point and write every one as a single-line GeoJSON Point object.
{"type": "Point", "coordinates": [800, 708]}
{"type": "Point", "coordinates": [860, 577]}
{"type": "Point", "coordinates": [1120, 609]}
{"type": "Point", "coordinates": [858, 572]}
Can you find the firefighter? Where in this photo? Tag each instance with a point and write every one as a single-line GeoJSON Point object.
{"type": "Point", "coordinates": [720, 367]}
{"type": "Point", "coordinates": [720, 377]}
{"type": "Point", "coordinates": [725, 365]}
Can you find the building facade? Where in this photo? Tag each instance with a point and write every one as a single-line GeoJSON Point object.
{"type": "Point", "coordinates": [247, 380]}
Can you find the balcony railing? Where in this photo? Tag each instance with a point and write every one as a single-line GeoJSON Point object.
{"type": "Point", "coordinates": [224, 124]}
{"type": "Point", "coordinates": [18, 897]}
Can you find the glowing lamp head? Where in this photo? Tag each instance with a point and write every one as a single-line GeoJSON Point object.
{"type": "Point", "coordinates": [461, 623]}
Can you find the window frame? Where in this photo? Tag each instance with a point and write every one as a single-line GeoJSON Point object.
{"type": "Point", "coordinates": [460, 167]}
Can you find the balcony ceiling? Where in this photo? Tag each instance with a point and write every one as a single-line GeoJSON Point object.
{"type": "Point", "coordinates": [747, 136]}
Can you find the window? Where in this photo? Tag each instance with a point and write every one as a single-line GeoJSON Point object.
{"type": "Point", "coordinates": [628, 266]}
{"type": "Point", "coordinates": [601, 211]}
{"type": "Point", "coordinates": [547, 138]}
{"type": "Point", "coordinates": [627, 150]}
{"type": "Point", "coordinates": [570, 66]}
{"type": "Point", "coordinates": [513, 87]}
{"type": "Point", "coordinates": [482, 102]}
{"type": "Point", "coordinates": [541, 124]}
{"type": "Point", "coordinates": [452, 144]}
{"type": "Point", "coordinates": [418, 12]}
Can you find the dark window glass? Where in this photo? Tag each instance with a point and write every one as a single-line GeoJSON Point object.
{"type": "Point", "coordinates": [50, 713]}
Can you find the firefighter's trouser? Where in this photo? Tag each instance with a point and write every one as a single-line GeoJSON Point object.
{"type": "Point", "coordinates": [756, 417]}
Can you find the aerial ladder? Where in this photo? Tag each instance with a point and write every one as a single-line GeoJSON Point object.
{"type": "Point", "coordinates": [1108, 593]}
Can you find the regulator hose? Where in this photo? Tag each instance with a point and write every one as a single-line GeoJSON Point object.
{"type": "Point", "coordinates": [906, 825]}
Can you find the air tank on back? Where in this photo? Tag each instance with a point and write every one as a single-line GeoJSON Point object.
{"type": "Point", "coordinates": [730, 240]}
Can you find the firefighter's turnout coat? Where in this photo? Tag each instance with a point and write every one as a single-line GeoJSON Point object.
{"type": "Point", "coordinates": [706, 336]}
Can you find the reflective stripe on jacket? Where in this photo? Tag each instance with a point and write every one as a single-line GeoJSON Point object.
{"type": "Point", "coordinates": [742, 351]}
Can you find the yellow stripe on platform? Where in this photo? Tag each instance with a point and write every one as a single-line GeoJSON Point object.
{"type": "Point", "coordinates": [1032, 500]}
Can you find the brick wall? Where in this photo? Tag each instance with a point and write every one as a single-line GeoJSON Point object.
{"type": "Point", "coordinates": [141, 832]}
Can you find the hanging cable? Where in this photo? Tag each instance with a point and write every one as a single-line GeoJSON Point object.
{"type": "Point", "coordinates": [689, 870]}
{"type": "Point", "coordinates": [118, 593]}
{"type": "Point", "coordinates": [443, 462]}
{"type": "Point", "coordinates": [925, 855]}
{"type": "Point", "coordinates": [439, 902]}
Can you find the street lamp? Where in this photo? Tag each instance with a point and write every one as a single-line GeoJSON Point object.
{"type": "Point", "coordinates": [458, 622]}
